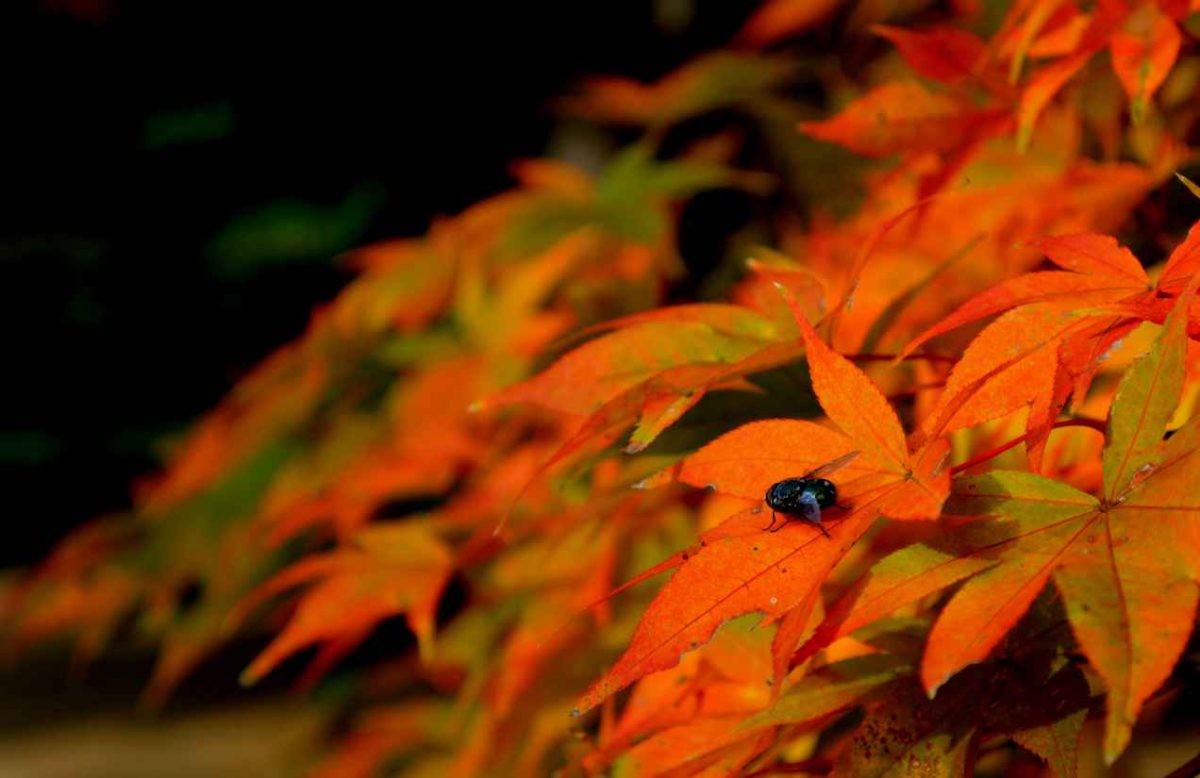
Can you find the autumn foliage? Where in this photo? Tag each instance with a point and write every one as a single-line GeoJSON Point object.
{"type": "Point", "coordinates": [969, 262]}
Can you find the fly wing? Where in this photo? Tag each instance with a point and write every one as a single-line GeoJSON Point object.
{"type": "Point", "coordinates": [830, 467]}
{"type": "Point", "coordinates": [810, 511]}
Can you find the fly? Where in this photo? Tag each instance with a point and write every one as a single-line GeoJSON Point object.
{"type": "Point", "coordinates": [801, 499]}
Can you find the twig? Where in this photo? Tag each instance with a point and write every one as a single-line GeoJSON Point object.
{"type": "Point", "coordinates": [1189, 769]}
{"type": "Point", "coordinates": [995, 452]}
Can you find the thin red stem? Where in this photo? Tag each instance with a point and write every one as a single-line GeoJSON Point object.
{"type": "Point", "coordinates": [995, 452]}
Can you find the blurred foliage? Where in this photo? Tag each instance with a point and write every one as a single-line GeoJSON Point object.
{"type": "Point", "coordinates": [452, 440]}
{"type": "Point", "coordinates": [197, 124]}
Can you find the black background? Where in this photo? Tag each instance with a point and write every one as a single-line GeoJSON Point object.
{"type": "Point", "coordinates": [117, 331]}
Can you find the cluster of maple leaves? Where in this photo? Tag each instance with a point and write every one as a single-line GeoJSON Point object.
{"type": "Point", "coordinates": [497, 433]}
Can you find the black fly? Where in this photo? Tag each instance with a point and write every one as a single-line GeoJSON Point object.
{"type": "Point", "coordinates": [801, 499]}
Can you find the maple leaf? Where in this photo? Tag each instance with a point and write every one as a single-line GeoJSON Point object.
{"type": "Point", "coordinates": [358, 466]}
{"type": "Point", "coordinates": [741, 569]}
{"type": "Point", "coordinates": [1041, 89]}
{"type": "Point", "coordinates": [910, 734]}
{"type": "Point", "coordinates": [744, 571]}
{"type": "Point", "coordinates": [586, 378]}
{"type": "Point", "coordinates": [1143, 52]}
{"type": "Point", "coordinates": [832, 689]}
{"type": "Point", "coordinates": [1081, 36]}
{"type": "Point", "coordinates": [539, 637]}
{"type": "Point", "coordinates": [1096, 269]}
{"type": "Point", "coordinates": [709, 82]}
{"type": "Point", "coordinates": [691, 713]}
{"type": "Point", "coordinates": [942, 53]}
{"type": "Point", "coordinates": [1027, 692]}
{"type": "Point", "coordinates": [1056, 328]}
{"type": "Point", "coordinates": [778, 19]}
{"type": "Point", "coordinates": [390, 569]}
{"type": "Point", "coordinates": [365, 411]}
{"type": "Point", "coordinates": [1182, 265]}
{"type": "Point", "coordinates": [668, 377]}
{"type": "Point", "coordinates": [90, 608]}
{"type": "Point", "coordinates": [1126, 563]}
{"type": "Point", "coordinates": [902, 117]}
{"type": "Point", "coordinates": [727, 676]}
{"type": "Point", "coordinates": [1057, 742]}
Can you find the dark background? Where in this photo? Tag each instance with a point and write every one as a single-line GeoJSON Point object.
{"type": "Point", "coordinates": [179, 177]}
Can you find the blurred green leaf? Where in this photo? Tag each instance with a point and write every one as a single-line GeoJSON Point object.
{"type": "Point", "coordinates": [28, 447]}
{"type": "Point", "coordinates": [198, 124]}
{"type": "Point", "coordinates": [291, 231]}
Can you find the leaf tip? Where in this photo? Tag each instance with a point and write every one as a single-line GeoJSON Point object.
{"type": "Point", "coordinates": [1192, 186]}
{"type": "Point", "coordinates": [1114, 744]}
{"type": "Point", "coordinates": [931, 684]}
{"type": "Point", "coordinates": [249, 676]}
{"type": "Point", "coordinates": [1137, 110]}
{"type": "Point", "coordinates": [1024, 136]}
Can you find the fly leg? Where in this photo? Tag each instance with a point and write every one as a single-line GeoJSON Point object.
{"type": "Point", "coordinates": [768, 528]}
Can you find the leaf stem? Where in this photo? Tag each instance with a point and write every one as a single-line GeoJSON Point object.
{"type": "Point", "coordinates": [1095, 424]}
{"type": "Point", "coordinates": [1189, 769]}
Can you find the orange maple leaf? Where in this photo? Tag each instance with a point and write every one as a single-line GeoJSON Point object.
{"type": "Point", "coordinates": [390, 569]}
{"type": "Point", "coordinates": [741, 569]}
{"type": "Point", "coordinates": [1056, 329]}
{"type": "Point", "coordinates": [1143, 52]}
{"type": "Point", "coordinates": [903, 116]}
{"type": "Point", "coordinates": [1127, 563]}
